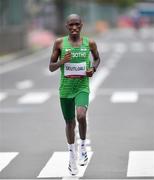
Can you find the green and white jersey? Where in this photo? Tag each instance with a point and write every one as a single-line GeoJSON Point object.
{"type": "Point", "coordinates": [73, 74]}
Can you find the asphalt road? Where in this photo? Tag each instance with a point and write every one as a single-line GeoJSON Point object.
{"type": "Point", "coordinates": [120, 115]}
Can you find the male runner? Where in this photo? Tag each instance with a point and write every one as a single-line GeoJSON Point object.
{"type": "Point", "coordinates": [73, 54]}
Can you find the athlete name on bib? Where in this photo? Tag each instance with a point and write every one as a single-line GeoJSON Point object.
{"type": "Point", "coordinates": [75, 69]}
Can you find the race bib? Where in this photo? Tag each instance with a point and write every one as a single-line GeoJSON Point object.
{"type": "Point", "coordinates": [73, 70]}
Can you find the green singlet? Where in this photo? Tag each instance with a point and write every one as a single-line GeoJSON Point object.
{"type": "Point", "coordinates": [70, 87]}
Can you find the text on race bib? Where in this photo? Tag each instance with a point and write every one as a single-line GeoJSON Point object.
{"type": "Point", "coordinates": [75, 69]}
{"type": "Point", "coordinates": [81, 54]}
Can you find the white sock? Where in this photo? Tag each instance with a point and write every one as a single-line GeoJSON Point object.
{"type": "Point", "coordinates": [71, 148]}
{"type": "Point", "coordinates": [83, 144]}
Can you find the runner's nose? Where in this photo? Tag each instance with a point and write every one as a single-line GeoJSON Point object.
{"type": "Point", "coordinates": [74, 27]}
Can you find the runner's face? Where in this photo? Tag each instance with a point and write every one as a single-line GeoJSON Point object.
{"type": "Point", "coordinates": [74, 26]}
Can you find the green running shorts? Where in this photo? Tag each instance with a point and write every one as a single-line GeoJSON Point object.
{"type": "Point", "coordinates": [68, 105]}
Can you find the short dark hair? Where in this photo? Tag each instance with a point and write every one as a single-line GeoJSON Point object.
{"type": "Point", "coordinates": [73, 16]}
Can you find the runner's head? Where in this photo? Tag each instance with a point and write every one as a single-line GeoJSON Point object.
{"type": "Point", "coordinates": [74, 24]}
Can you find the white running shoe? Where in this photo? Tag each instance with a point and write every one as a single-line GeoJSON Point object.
{"type": "Point", "coordinates": [72, 167]}
{"type": "Point", "coordinates": [83, 159]}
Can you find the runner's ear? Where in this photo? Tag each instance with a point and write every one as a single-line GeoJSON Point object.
{"type": "Point", "coordinates": [81, 24]}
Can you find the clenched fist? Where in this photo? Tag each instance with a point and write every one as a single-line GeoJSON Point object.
{"type": "Point", "coordinates": [67, 57]}
{"type": "Point", "coordinates": [90, 72]}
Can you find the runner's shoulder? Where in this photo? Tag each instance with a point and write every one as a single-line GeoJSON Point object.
{"type": "Point", "coordinates": [92, 43]}
{"type": "Point", "coordinates": [58, 42]}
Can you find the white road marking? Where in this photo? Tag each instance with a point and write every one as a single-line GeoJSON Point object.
{"type": "Point", "coordinates": [57, 166]}
{"type": "Point", "coordinates": [120, 47]}
{"type": "Point", "coordinates": [26, 60]}
{"type": "Point", "coordinates": [102, 74]}
{"type": "Point", "coordinates": [141, 164]}
{"type": "Point", "coordinates": [99, 77]}
{"type": "Point", "coordinates": [140, 91]}
{"type": "Point", "coordinates": [3, 95]}
{"type": "Point", "coordinates": [34, 98]}
{"type": "Point", "coordinates": [24, 84]}
{"type": "Point", "coordinates": [124, 97]}
{"type": "Point", "coordinates": [137, 47]}
{"type": "Point", "coordinates": [6, 158]}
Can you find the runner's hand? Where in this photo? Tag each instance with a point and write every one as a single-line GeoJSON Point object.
{"type": "Point", "coordinates": [90, 72]}
{"type": "Point", "coordinates": [67, 57]}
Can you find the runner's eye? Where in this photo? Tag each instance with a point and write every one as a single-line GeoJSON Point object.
{"type": "Point", "coordinates": [75, 24]}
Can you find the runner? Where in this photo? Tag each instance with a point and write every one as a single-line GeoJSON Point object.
{"type": "Point", "coordinates": [73, 53]}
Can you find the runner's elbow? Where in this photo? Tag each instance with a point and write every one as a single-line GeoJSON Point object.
{"type": "Point", "coordinates": [51, 69]}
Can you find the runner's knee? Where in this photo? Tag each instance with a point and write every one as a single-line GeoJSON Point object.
{"type": "Point", "coordinates": [81, 116]}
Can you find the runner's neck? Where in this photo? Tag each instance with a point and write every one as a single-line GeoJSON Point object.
{"type": "Point", "coordinates": [75, 42]}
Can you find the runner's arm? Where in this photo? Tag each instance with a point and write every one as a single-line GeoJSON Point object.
{"type": "Point", "coordinates": [95, 54]}
{"type": "Point", "coordinates": [54, 63]}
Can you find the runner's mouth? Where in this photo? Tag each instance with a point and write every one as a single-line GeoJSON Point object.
{"type": "Point", "coordinates": [74, 32]}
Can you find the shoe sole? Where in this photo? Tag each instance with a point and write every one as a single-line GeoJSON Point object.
{"type": "Point", "coordinates": [70, 171]}
{"type": "Point", "coordinates": [85, 163]}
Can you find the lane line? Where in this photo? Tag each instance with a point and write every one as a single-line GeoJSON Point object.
{"type": "Point", "coordinates": [58, 164]}
{"type": "Point", "coordinates": [140, 91]}
{"type": "Point", "coordinates": [99, 77]}
{"type": "Point", "coordinates": [26, 60]}
{"type": "Point", "coordinates": [124, 97]}
{"type": "Point", "coordinates": [120, 47]}
{"type": "Point", "coordinates": [34, 98]}
{"type": "Point", "coordinates": [141, 164]}
{"type": "Point", "coordinates": [6, 158]}
{"type": "Point", "coordinates": [25, 84]}
{"type": "Point", "coordinates": [137, 47]}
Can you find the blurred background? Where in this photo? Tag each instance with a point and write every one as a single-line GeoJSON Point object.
{"type": "Point", "coordinates": [33, 24]}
